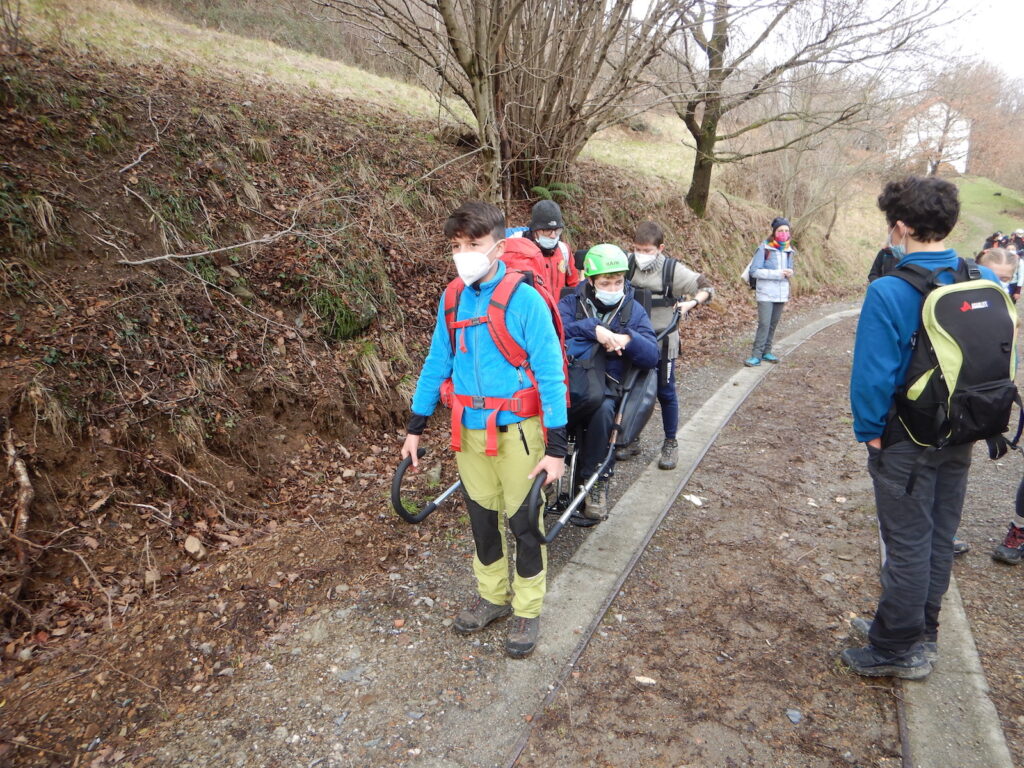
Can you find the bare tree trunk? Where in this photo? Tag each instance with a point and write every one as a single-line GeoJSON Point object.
{"type": "Point", "coordinates": [703, 165]}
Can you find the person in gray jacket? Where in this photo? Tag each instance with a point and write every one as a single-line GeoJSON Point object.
{"type": "Point", "coordinates": [672, 285]}
{"type": "Point", "coordinates": [772, 267]}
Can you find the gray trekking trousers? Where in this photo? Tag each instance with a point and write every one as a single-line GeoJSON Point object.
{"type": "Point", "coordinates": [917, 531]}
{"type": "Point", "coordinates": [768, 314]}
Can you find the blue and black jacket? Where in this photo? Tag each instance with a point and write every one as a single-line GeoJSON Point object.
{"type": "Point", "coordinates": [581, 334]}
{"type": "Point", "coordinates": [889, 318]}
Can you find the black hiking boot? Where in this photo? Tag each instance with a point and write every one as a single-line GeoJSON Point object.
{"type": "Point", "coordinates": [478, 615]}
{"type": "Point", "coordinates": [929, 645]}
{"type": "Point", "coordinates": [522, 636]}
{"type": "Point", "coordinates": [960, 547]}
{"type": "Point", "coordinates": [1012, 549]}
{"type": "Point", "coordinates": [669, 454]}
{"type": "Point", "coordinates": [874, 662]}
{"type": "Point", "coordinates": [627, 452]}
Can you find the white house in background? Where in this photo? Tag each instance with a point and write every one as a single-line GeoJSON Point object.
{"type": "Point", "coordinates": [934, 135]}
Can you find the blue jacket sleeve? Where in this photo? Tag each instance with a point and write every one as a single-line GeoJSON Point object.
{"type": "Point", "coordinates": [436, 368]}
{"type": "Point", "coordinates": [545, 354]}
{"type": "Point", "coordinates": [642, 351]}
{"type": "Point", "coordinates": [877, 366]}
{"type": "Point", "coordinates": [584, 328]}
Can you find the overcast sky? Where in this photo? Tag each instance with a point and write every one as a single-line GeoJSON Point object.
{"type": "Point", "coordinates": [994, 32]}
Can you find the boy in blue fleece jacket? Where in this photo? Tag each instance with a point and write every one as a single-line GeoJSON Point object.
{"type": "Point", "coordinates": [917, 528]}
{"type": "Point", "coordinates": [500, 442]}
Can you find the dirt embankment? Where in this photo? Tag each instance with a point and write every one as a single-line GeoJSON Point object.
{"type": "Point", "coordinates": [181, 421]}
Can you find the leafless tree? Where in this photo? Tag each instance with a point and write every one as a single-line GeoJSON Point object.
{"type": "Point", "coordinates": [10, 22]}
{"type": "Point", "coordinates": [539, 76]}
{"type": "Point", "coordinates": [733, 53]}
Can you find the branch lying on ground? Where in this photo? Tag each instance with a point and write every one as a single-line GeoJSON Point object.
{"type": "Point", "coordinates": [19, 518]}
{"type": "Point", "coordinates": [137, 161]}
{"type": "Point", "coordinates": [260, 241]}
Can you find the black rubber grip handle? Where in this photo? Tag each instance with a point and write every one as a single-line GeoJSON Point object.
{"type": "Point", "coordinates": [396, 492]}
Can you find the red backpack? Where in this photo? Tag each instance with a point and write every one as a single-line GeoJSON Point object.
{"type": "Point", "coordinates": [524, 263]}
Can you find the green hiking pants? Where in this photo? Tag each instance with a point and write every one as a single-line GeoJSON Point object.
{"type": "Point", "coordinates": [496, 487]}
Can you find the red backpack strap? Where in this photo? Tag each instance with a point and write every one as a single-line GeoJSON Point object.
{"type": "Point", "coordinates": [452, 293]}
{"type": "Point", "coordinates": [496, 309]}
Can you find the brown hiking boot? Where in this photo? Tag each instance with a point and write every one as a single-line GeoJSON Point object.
{"type": "Point", "coordinates": [597, 501]}
{"type": "Point", "coordinates": [522, 636]}
{"type": "Point", "coordinates": [478, 615]}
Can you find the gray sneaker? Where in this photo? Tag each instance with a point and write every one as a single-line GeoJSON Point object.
{"type": "Point", "coordinates": [860, 628]}
{"type": "Point", "coordinates": [597, 501]}
{"type": "Point", "coordinates": [627, 452]}
{"type": "Point", "coordinates": [522, 637]}
{"type": "Point", "coordinates": [478, 615]}
{"type": "Point", "coordinates": [669, 454]}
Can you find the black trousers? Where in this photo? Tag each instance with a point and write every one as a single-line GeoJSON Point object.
{"type": "Point", "coordinates": [917, 530]}
{"type": "Point", "coordinates": [592, 439]}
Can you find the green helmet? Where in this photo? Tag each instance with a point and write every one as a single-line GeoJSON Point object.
{"type": "Point", "coordinates": [604, 259]}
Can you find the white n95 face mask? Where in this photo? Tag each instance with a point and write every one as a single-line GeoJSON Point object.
{"type": "Point", "coordinates": [645, 260]}
{"type": "Point", "coordinates": [472, 265]}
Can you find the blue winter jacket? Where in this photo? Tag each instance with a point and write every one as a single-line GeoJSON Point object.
{"type": "Point", "coordinates": [889, 317]}
{"type": "Point", "coordinates": [580, 335]}
{"type": "Point", "coordinates": [482, 370]}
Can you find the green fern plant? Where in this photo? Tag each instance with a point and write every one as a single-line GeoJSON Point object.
{"type": "Point", "coordinates": [557, 190]}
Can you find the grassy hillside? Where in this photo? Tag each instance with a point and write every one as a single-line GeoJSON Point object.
{"type": "Point", "coordinates": [985, 208]}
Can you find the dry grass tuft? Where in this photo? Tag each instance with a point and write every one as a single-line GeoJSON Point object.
{"type": "Point", "coordinates": [376, 372]}
{"type": "Point", "coordinates": [259, 149]}
{"type": "Point", "coordinates": [252, 195]}
{"type": "Point", "coordinates": [48, 409]}
{"type": "Point", "coordinates": [43, 214]}
{"type": "Point", "coordinates": [213, 120]}
{"type": "Point", "coordinates": [191, 436]}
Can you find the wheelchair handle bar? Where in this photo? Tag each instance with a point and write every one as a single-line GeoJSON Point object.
{"type": "Point", "coordinates": [396, 492]}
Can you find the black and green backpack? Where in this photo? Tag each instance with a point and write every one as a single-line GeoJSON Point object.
{"type": "Point", "coordinates": [959, 386]}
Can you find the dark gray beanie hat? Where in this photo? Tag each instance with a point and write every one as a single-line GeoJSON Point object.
{"type": "Point", "coordinates": [779, 221]}
{"type": "Point", "coordinates": [546, 215]}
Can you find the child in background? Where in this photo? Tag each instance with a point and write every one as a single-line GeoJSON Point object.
{"type": "Point", "coordinates": [1005, 264]}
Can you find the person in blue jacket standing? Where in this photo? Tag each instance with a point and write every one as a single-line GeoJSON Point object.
{"type": "Point", "coordinates": [772, 267]}
{"type": "Point", "coordinates": [501, 442]}
{"type": "Point", "coordinates": [917, 528]}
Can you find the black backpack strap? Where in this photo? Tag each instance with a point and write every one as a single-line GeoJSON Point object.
{"type": "Point", "coordinates": [627, 311]}
{"type": "Point", "coordinates": [668, 277]}
{"type": "Point", "coordinates": [922, 279]}
{"type": "Point", "coordinates": [970, 266]}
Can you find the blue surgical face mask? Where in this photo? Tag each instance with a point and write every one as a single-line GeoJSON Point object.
{"type": "Point", "coordinates": [898, 251]}
{"type": "Point", "coordinates": [609, 298]}
{"type": "Point", "coordinates": [547, 243]}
